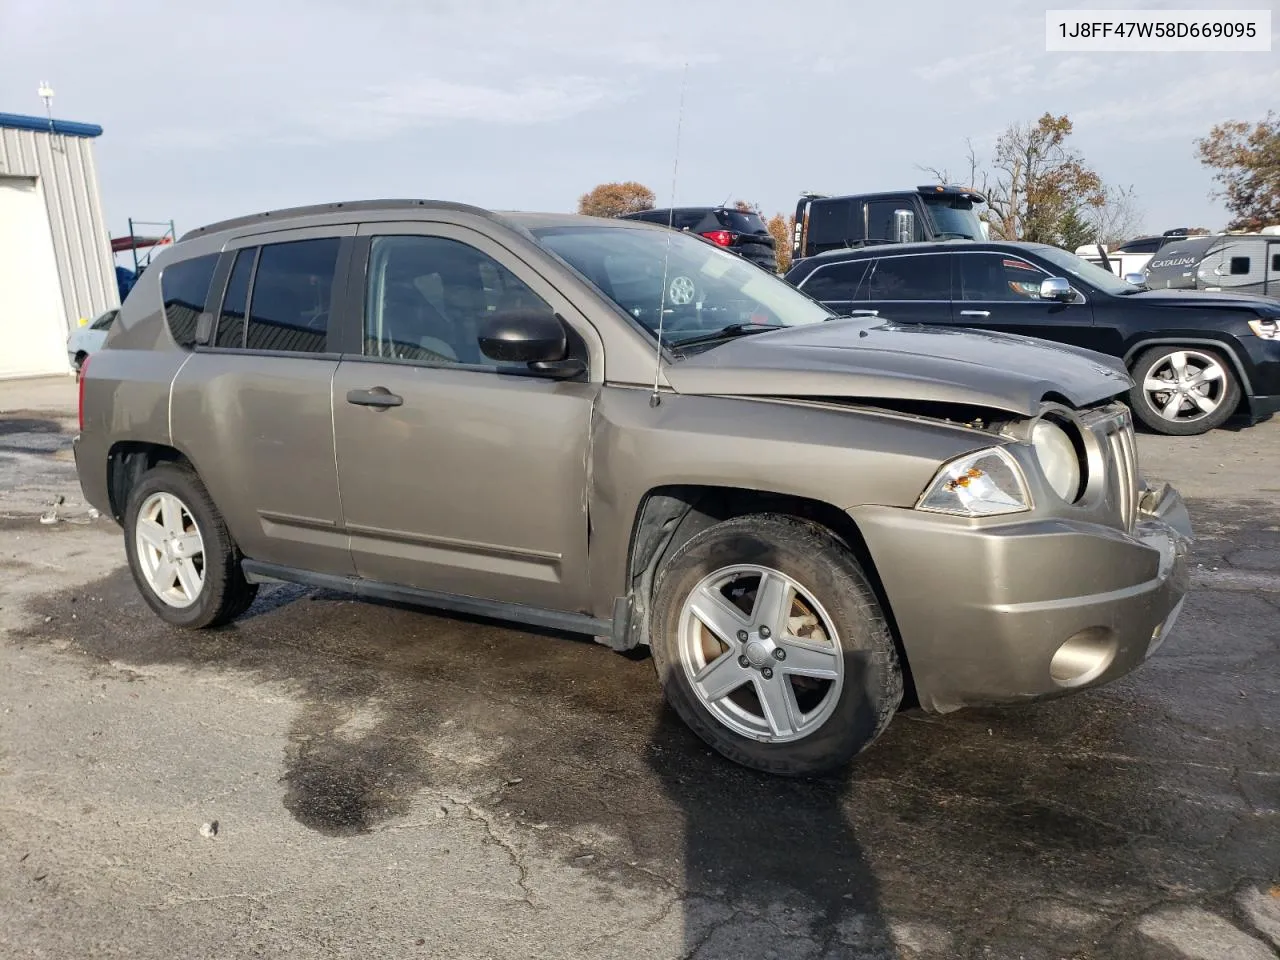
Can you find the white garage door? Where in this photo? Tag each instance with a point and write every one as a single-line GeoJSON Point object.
{"type": "Point", "coordinates": [33, 331]}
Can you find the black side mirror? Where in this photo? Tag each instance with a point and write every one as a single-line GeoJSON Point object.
{"type": "Point", "coordinates": [533, 337]}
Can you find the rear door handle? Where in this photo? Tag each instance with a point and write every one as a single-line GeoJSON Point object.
{"type": "Point", "coordinates": [864, 313]}
{"type": "Point", "coordinates": [374, 397]}
{"type": "Point", "coordinates": [975, 313]}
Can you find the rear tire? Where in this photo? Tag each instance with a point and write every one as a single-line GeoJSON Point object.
{"type": "Point", "coordinates": [1158, 365]}
{"type": "Point", "coordinates": [177, 518]}
{"type": "Point", "coordinates": [805, 691]}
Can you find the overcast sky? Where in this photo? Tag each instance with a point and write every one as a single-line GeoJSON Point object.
{"type": "Point", "coordinates": [213, 110]}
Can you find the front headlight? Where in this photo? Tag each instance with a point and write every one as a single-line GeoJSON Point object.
{"type": "Point", "coordinates": [1058, 458]}
{"type": "Point", "coordinates": [1268, 328]}
{"type": "Point", "coordinates": [982, 484]}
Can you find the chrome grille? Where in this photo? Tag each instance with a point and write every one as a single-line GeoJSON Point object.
{"type": "Point", "coordinates": [1114, 430]}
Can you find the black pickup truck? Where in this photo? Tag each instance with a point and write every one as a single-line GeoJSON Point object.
{"type": "Point", "coordinates": [932, 212]}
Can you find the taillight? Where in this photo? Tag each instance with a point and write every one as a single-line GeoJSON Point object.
{"type": "Point", "coordinates": [84, 369]}
{"type": "Point", "coordinates": [721, 238]}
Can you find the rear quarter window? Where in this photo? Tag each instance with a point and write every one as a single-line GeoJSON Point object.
{"type": "Point", "coordinates": [185, 288]}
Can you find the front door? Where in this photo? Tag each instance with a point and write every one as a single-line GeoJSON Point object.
{"type": "Point", "coordinates": [1273, 268]}
{"type": "Point", "coordinates": [1001, 291]}
{"type": "Point", "coordinates": [459, 475]}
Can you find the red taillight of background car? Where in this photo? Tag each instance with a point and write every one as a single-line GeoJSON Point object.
{"type": "Point", "coordinates": [721, 238]}
{"type": "Point", "coordinates": [84, 368]}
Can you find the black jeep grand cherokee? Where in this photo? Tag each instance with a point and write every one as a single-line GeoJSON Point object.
{"type": "Point", "coordinates": [1196, 358]}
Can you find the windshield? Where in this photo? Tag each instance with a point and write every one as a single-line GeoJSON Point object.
{"type": "Point", "coordinates": [1104, 280]}
{"type": "Point", "coordinates": [707, 289]}
{"type": "Point", "coordinates": [955, 220]}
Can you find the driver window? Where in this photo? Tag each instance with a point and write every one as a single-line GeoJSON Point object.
{"type": "Point", "coordinates": [993, 276]}
{"type": "Point", "coordinates": [427, 297]}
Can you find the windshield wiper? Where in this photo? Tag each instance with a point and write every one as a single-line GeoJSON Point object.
{"type": "Point", "coordinates": [726, 333]}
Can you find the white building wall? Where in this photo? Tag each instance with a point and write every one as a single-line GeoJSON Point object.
{"type": "Point", "coordinates": [67, 178]}
{"type": "Point", "coordinates": [32, 337]}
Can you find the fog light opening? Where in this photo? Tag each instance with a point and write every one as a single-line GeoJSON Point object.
{"type": "Point", "coordinates": [1084, 657]}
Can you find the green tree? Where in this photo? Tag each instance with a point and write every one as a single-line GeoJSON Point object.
{"type": "Point", "coordinates": [1074, 231]}
{"type": "Point", "coordinates": [1247, 164]}
{"type": "Point", "coordinates": [615, 199]}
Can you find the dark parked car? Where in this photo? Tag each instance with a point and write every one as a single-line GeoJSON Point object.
{"type": "Point", "coordinates": [743, 232]}
{"type": "Point", "coordinates": [1195, 358]}
{"type": "Point", "coordinates": [799, 514]}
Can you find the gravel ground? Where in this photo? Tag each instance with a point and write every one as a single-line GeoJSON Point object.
{"type": "Point", "coordinates": [329, 778]}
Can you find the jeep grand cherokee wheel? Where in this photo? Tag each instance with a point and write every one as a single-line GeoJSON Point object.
{"type": "Point", "coordinates": [771, 646]}
{"type": "Point", "coordinates": [180, 553]}
{"type": "Point", "coordinates": [1183, 391]}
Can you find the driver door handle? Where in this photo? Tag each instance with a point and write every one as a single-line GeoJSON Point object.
{"type": "Point", "coordinates": [374, 397]}
{"type": "Point", "coordinates": [975, 313]}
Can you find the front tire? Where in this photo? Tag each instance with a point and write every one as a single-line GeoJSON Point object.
{"type": "Point", "coordinates": [1183, 391]}
{"type": "Point", "coordinates": [771, 646]}
{"type": "Point", "coordinates": [182, 558]}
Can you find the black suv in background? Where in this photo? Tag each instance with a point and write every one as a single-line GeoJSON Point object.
{"type": "Point", "coordinates": [741, 232]}
{"type": "Point", "coordinates": [1196, 358]}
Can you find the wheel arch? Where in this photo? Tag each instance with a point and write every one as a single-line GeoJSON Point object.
{"type": "Point", "coordinates": [127, 461]}
{"type": "Point", "coordinates": [1224, 346]}
{"type": "Point", "coordinates": [667, 517]}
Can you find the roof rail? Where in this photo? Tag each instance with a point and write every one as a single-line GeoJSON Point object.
{"type": "Point", "coordinates": [319, 209]}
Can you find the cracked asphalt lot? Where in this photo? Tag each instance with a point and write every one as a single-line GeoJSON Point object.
{"type": "Point", "coordinates": [391, 783]}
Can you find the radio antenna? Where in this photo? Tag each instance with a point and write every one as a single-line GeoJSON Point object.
{"type": "Point", "coordinates": [655, 398]}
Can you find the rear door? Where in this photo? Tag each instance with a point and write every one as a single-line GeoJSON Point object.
{"type": "Point", "coordinates": [1273, 268]}
{"type": "Point", "coordinates": [474, 481]}
{"type": "Point", "coordinates": [997, 290]}
{"type": "Point", "coordinates": [910, 288]}
{"type": "Point", "coordinates": [839, 286]}
{"type": "Point", "coordinates": [251, 407]}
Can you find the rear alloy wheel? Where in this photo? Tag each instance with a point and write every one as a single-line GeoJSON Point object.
{"type": "Point", "coordinates": [170, 549]}
{"type": "Point", "coordinates": [771, 646]}
{"type": "Point", "coordinates": [180, 553]}
{"type": "Point", "coordinates": [1183, 391]}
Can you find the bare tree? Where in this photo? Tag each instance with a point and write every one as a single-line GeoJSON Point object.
{"type": "Point", "coordinates": [1118, 218]}
{"type": "Point", "coordinates": [1034, 182]}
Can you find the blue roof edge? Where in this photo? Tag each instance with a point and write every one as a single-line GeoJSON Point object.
{"type": "Point", "coordinates": [18, 121]}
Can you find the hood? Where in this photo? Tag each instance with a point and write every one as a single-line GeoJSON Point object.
{"type": "Point", "coordinates": [873, 359]}
{"type": "Point", "coordinates": [1190, 297]}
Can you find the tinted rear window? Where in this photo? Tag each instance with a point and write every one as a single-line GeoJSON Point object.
{"type": "Point", "coordinates": [292, 293]}
{"type": "Point", "coordinates": [836, 282]}
{"type": "Point", "coordinates": [926, 277]}
{"type": "Point", "coordinates": [741, 222]}
{"type": "Point", "coordinates": [230, 332]}
{"type": "Point", "coordinates": [185, 288]}
{"type": "Point", "coordinates": [832, 224]}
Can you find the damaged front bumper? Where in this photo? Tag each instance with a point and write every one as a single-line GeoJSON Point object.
{"type": "Point", "coordinates": [1016, 611]}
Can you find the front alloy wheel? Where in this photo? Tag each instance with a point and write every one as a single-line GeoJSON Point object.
{"type": "Point", "coordinates": [760, 653]}
{"type": "Point", "coordinates": [772, 647]}
{"type": "Point", "coordinates": [1183, 391]}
